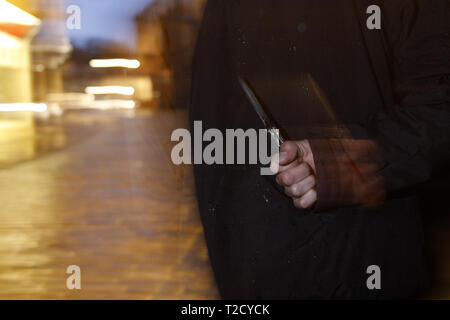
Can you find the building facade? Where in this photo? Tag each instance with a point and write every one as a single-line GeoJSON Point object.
{"type": "Point", "coordinates": [50, 47]}
{"type": "Point", "coordinates": [166, 36]}
{"type": "Point", "coordinates": [17, 29]}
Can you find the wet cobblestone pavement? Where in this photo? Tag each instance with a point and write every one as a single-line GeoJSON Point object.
{"type": "Point", "coordinates": [98, 190]}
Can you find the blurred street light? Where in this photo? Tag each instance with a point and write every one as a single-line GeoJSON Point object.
{"type": "Point", "coordinates": [33, 107]}
{"type": "Point", "coordinates": [113, 104]}
{"type": "Point", "coordinates": [126, 91]}
{"type": "Point", "coordinates": [115, 63]}
{"type": "Point", "coordinates": [10, 14]}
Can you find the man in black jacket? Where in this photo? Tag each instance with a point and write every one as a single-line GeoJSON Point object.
{"type": "Point", "coordinates": [350, 199]}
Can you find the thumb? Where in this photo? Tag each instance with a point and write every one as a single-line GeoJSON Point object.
{"type": "Point", "coordinates": [290, 152]}
{"type": "Point", "coordinates": [305, 153]}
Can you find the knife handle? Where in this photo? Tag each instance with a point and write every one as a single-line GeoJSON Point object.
{"type": "Point", "coordinates": [277, 136]}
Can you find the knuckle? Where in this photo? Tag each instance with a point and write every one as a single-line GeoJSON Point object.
{"type": "Point", "coordinates": [300, 189]}
{"type": "Point", "coordinates": [311, 182]}
{"type": "Point", "coordinates": [297, 204]}
{"type": "Point", "coordinates": [288, 192]}
{"type": "Point", "coordinates": [295, 190]}
{"type": "Point", "coordinates": [304, 202]}
{"type": "Point", "coordinates": [286, 178]}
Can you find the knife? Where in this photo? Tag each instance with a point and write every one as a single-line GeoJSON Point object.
{"type": "Point", "coordinates": [267, 120]}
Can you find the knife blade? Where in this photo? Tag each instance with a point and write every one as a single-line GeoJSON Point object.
{"type": "Point", "coordinates": [268, 121]}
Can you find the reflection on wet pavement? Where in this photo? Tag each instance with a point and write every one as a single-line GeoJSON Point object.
{"type": "Point", "coordinates": [99, 191]}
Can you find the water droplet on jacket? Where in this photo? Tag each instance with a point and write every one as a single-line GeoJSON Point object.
{"type": "Point", "coordinates": [301, 27]}
{"type": "Point", "coordinates": [212, 209]}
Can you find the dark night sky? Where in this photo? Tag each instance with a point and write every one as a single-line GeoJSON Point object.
{"type": "Point", "coordinates": [107, 19]}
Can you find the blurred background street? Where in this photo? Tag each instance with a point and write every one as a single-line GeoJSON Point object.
{"type": "Point", "coordinates": [103, 195]}
{"type": "Point", "coordinates": [90, 92]}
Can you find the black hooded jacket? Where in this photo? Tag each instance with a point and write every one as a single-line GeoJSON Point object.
{"type": "Point", "coordinates": [389, 86]}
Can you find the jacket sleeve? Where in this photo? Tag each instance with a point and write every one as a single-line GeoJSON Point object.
{"type": "Point", "coordinates": [409, 141]}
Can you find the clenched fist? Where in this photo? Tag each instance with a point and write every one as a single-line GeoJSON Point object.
{"type": "Point", "coordinates": [296, 173]}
